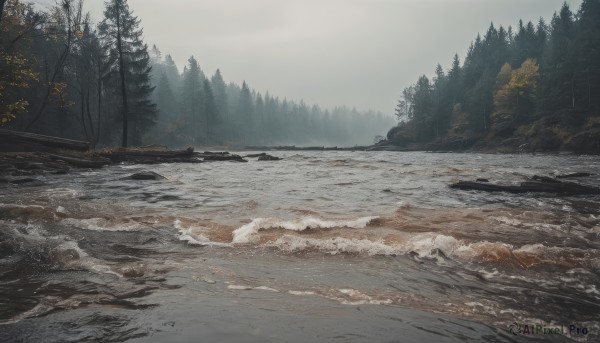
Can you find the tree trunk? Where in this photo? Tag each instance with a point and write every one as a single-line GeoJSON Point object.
{"type": "Point", "coordinates": [97, 138]}
{"type": "Point", "coordinates": [32, 140]}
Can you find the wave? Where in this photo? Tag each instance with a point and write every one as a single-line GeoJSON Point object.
{"type": "Point", "coordinates": [105, 224]}
{"type": "Point", "coordinates": [53, 251]}
{"type": "Point", "coordinates": [194, 235]}
{"type": "Point", "coordinates": [247, 233]}
{"type": "Point", "coordinates": [441, 248]}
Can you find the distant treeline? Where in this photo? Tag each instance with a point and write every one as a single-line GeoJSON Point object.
{"type": "Point", "coordinates": [540, 84]}
{"type": "Point", "coordinates": [61, 74]}
{"type": "Point", "coordinates": [196, 108]}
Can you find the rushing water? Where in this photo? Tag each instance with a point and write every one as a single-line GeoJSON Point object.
{"type": "Point", "coordinates": [321, 246]}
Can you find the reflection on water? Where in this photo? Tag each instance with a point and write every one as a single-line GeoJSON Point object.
{"type": "Point", "coordinates": [349, 246]}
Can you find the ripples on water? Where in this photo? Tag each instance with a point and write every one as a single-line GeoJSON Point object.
{"type": "Point", "coordinates": [322, 246]}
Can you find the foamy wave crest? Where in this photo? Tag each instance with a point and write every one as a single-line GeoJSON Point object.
{"type": "Point", "coordinates": [246, 233]}
{"type": "Point", "coordinates": [101, 224]}
{"type": "Point", "coordinates": [194, 235]}
{"type": "Point", "coordinates": [69, 254]}
{"type": "Point", "coordinates": [59, 250]}
{"type": "Point", "coordinates": [354, 297]}
{"type": "Point", "coordinates": [335, 245]}
{"type": "Point", "coordinates": [425, 245]}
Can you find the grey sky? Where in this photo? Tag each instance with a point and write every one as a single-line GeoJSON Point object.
{"type": "Point", "coordinates": [330, 52]}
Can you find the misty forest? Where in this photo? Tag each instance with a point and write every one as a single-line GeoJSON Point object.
{"type": "Point", "coordinates": [536, 86]}
{"type": "Point", "coordinates": [63, 75]}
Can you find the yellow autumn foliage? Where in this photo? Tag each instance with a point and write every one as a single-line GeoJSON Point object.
{"type": "Point", "coordinates": [511, 91]}
{"type": "Point", "coordinates": [16, 72]}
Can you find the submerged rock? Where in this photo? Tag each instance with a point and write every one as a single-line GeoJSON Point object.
{"type": "Point", "coordinates": [266, 157]}
{"type": "Point", "coordinates": [26, 181]}
{"type": "Point", "coordinates": [145, 176]}
{"type": "Point", "coordinates": [133, 271]}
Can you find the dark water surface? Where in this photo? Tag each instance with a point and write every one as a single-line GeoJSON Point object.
{"type": "Point", "coordinates": [321, 246]}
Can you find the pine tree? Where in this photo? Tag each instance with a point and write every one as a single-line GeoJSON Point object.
{"type": "Point", "coordinates": [165, 100]}
{"type": "Point", "coordinates": [245, 114]}
{"type": "Point", "coordinates": [211, 111]}
{"type": "Point", "coordinates": [128, 57]}
{"type": "Point", "coordinates": [193, 98]}
{"type": "Point", "coordinates": [558, 66]}
{"type": "Point", "coordinates": [219, 90]}
{"type": "Point", "coordinates": [588, 51]}
{"type": "Point", "coordinates": [172, 74]}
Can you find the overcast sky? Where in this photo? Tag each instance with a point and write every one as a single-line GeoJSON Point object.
{"type": "Point", "coordinates": [359, 53]}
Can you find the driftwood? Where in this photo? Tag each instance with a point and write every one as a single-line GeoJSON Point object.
{"type": "Point", "coordinates": [263, 156]}
{"type": "Point", "coordinates": [133, 153]}
{"type": "Point", "coordinates": [97, 162]}
{"type": "Point", "coordinates": [308, 148]}
{"type": "Point", "coordinates": [255, 155]}
{"type": "Point", "coordinates": [234, 158]}
{"type": "Point", "coordinates": [26, 141]}
{"type": "Point", "coordinates": [210, 154]}
{"type": "Point", "coordinates": [574, 175]}
{"type": "Point", "coordinates": [150, 155]}
{"type": "Point", "coordinates": [541, 184]}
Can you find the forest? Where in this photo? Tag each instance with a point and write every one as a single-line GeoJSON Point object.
{"type": "Point", "coordinates": [536, 87]}
{"type": "Point", "coordinates": [63, 75]}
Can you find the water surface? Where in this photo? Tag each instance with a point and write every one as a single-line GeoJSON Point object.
{"type": "Point", "coordinates": [321, 246]}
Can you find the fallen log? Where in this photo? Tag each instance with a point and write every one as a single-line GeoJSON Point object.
{"type": "Point", "coordinates": [487, 187]}
{"type": "Point", "coordinates": [256, 155]}
{"type": "Point", "coordinates": [558, 187]}
{"type": "Point", "coordinates": [26, 141]}
{"type": "Point", "coordinates": [574, 175]}
{"type": "Point", "coordinates": [545, 179]}
{"type": "Point", "coordinates": [98, 162]}
{"type": "Point", "coordinates": [234, 158]}
{"type": "Point", "coordinates": [210, 153]}
{"type": "Point", "coordinates": [127, 154]}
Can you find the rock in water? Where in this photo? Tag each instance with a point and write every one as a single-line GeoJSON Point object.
{"type": "Point", "coordinates": [266, 157]}
{"type": "Point", "coordinates": [26, 181]}
{"type": "Point", "coordinates": [145, 175]}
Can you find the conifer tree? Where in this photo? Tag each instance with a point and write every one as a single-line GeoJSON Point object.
{"type": "Point", "coordinates": [245, 114]}
{"type": "Point", "coordinates": [210, 110]}
{"type": "Point", "coordinates": [193, 98]}
{"type": "Point", "coordinates": [128, 59]}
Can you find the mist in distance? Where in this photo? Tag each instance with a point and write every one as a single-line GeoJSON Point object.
{"type": "Point", "coordinates": [357, 53]}
{"type": "Point", "coordinates": [267, 72]}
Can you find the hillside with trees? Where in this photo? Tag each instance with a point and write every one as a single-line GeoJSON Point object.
{"type": "Point", "coordinates": [533, 88]}
{"type": "Point", "coordinates": [63, 75]}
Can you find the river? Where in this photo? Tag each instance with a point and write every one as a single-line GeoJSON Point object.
{"type": "Point", "coordinates": [320, 246]}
